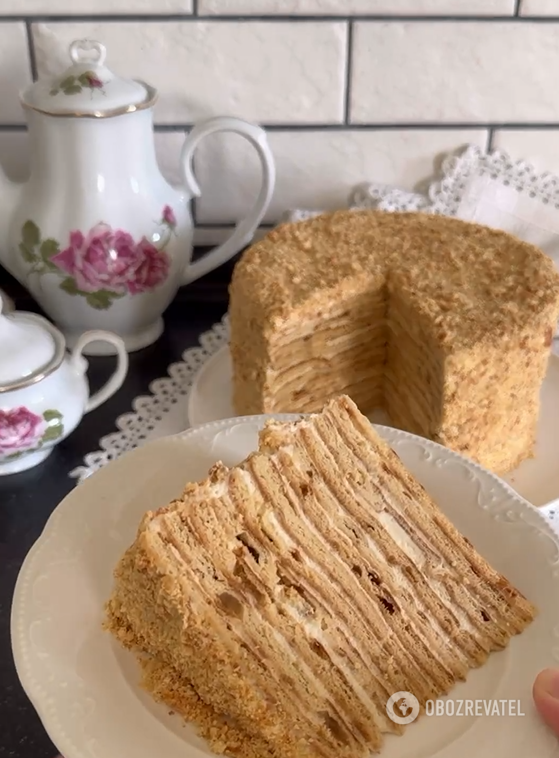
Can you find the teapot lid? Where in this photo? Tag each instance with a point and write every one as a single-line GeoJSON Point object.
{"type": "Point", "coordinates": [30, 349]}
{"type": "Point", "coordinates": [88, 88]}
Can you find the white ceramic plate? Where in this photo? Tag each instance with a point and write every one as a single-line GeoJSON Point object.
{"type": "Point", "coordinates": [84, 686]}
{"type": "Point", "coordinates": [536, 480]}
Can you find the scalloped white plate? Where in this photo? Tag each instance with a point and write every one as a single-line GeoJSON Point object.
{"type": "Point", "coordinates": [85, 687]}
{"type": "Point", "coordinates": [536, 480]}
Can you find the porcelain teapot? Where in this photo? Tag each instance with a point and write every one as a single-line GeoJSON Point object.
{"type": "Point", "coordinates": [44, 390]}
{"type": "Point", "coordinates": [97, 235]}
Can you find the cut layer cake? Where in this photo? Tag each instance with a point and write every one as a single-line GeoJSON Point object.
{"type": "Point", "coordinates": [445, 325]}
{"type": "Point", "coordinates": [280, 603]}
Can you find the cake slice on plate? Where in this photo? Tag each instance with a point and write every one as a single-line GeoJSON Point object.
{"type": "Point", "coordinates": [280, 603]}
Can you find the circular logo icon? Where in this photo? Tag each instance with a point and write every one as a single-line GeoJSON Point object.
{"type": "Point", "coordinates": [402, 708]}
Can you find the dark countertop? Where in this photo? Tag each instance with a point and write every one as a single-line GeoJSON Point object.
{"type": "Point", "coordinates": [28, 499]}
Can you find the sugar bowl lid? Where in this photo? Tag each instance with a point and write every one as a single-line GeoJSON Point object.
{"type": "Point", "coordinates": [88, 88]}
{"type": "Point", "coordinates": [30, 349]}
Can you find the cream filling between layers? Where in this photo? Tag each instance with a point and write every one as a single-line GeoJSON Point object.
{"type": "Point", "coordinates": [412, 376]}
{"type": "Point", "coordinates": [338, 350]}
{"type": "Point", "coordinates": [230, 637]}
{"type": "Point", "coordinates": [477, 596]}
{"type": "Point", "coordinates": [378, 717]}
{"type": "Point", "coordinates": [414, 552]}
{"type": "Point", "coordinates": [399, 536]}
{"type": "Point", "coordinates": [313, 630]}
{"type": "Point", "coordinates": [324, 641]}
{"type": "Point", "coordinates": [336, 706]}
{"type": "Point", "coordinates": [320, 569]}
{"type": "Point", "coordinates": [220, 491]}
{"type": "Point", "coordinates": [358, 307]}
{"type": "Point", "coordinates": [330, 335]}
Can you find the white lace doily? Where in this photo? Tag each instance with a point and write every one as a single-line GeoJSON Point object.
{"type": "Point", "coordinates": [163, 412]}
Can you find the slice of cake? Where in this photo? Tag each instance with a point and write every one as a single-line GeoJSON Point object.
{"type": "Point", "coordinates": [280, 603]}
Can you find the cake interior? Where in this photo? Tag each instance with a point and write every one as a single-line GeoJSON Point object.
{"type": "Point", "coordinates": [374, 343]}
{"type": "Point", "coordinates": [366, 342]}
{"type": "Point", "coordinates": [332, 349]}
{"type": "Point", "coordinates": [413, 376]}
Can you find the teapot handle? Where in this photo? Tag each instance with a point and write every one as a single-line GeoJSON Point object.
{"type": "Point", "coordinates": [245, 229]}
{"type": "Point", "coordinates": [118, 377]}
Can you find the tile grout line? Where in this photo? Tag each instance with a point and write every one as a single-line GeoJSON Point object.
{"type": "Point", "coordinates": [348, 73]}
{"type": "Point", "coordinates": [31, 50]}
{"type": "Point", "coordinates": [195, 17]}
{"type": "Point", "coordinates": [517, 5]}
{"type": "Point", "coordinates": [351, 127]}
{"type": "Point", "coordinates": [490, 138]}
{"type": "Point", "coordinates": [379, 127]}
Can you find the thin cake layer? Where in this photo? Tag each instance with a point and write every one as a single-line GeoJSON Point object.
{"type": "Point", "coordinates": [296, 592]}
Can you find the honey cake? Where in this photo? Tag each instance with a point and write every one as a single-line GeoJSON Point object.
{"type": "Point", "coordinates": [280, 603]}
{"type": "Point", "coordinates": [444, 324]}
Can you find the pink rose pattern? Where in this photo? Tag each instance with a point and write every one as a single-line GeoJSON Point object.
{"type": "Point", "coordinates": [105, 263]}
{"type": "Point", "coordinates": [152, 270]}
{"type": "Point", "coordinates": [110, 259]}
{"type": "Point", "coordinates": [93, 81]}
{"type": "Point", "coordinates": [73, 84]}
{"type": "Point", "coordinates": [21, 430]}
{"type": "Point", "coordinates": [169, 216]}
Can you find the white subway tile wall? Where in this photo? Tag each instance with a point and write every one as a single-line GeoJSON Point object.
{"type": "Point", "coordinates": [14, 156]}
{"type": "Point", "coordinates": [448, 72]}
{"type": "Point", "coordinates": [539, 8]}
{"type": "Point", "coordinates": [262, 71]}
{"type": "Point", "coordinates": [317, 169]}
{"type": "Point", "coordinates": [540, 148]}
{"type": "Point", "coordinates": [343, 7]}
{"type": "Point", "coordinates": [15, 68]}
{"type": "Point", "coordinates": [79, 7]}
{"type": "Point", "coordinates": [349, 90]}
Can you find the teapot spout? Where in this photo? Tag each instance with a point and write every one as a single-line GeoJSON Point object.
{"type": "Point", "coordinates": [10, 194]}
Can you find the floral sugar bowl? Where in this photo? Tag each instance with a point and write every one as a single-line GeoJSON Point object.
{"type": "Point", "coordinates": [97, 235]}
{"type": "Point", "coordinates": [44, 390]}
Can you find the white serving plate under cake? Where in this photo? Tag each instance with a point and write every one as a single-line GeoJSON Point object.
{"type": "Point", "coordinates": [85, 686]}
{"type": "Point", "coordinates": [536, 480]}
